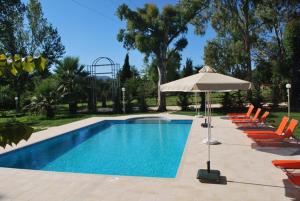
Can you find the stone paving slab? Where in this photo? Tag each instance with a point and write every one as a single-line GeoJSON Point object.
{"type": "Point", "coordinates": [248, 171]}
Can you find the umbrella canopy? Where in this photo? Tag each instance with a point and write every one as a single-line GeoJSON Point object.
{"type": "Point", "coordinates": [206, 80]}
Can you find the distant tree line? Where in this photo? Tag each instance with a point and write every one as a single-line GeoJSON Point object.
{"type": "Point", "coordinates": [257, 41]}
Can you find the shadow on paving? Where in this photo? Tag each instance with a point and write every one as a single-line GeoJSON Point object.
{"type": "Point", "coordinates": [278, 148]}
{"type": "Point", "coordinates": [256, 129]}
{"type": "Point", "coordinates": [232, 144]}
{"type": "Point", "coordinates": [223, 181]}
{"type": "Point", "coordinates": [255, 184]}
{"type": "Point", "coordinates": [2, 197]}
{"type": "Point", "coordinates": [290, 190]}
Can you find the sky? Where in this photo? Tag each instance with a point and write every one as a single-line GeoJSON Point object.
{"type": "Point", "coordinates": [89, 29]}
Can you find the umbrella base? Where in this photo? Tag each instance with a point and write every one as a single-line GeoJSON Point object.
{"type": "Point", "coordinates": [204, 125]}
{"type": "Point", "coordinates": [213, 176]}
{"type": "Point", "coordinates": [211, 141]}
{"type": "Point", "coordinates": [198, 116]}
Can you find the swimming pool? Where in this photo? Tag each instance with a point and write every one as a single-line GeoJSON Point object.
{"type": "Point", "coordinates": [151, 148]}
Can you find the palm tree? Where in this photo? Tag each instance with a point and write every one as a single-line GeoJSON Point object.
{"type": "Point", "coordinates": [71, 76]}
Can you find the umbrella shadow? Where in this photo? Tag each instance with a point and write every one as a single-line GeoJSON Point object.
{"type": "Point", "coordinates": [254, 184]}
{"type": "Point", "coordinates": [255, 129]}
{"type": "Point", "coordinates": [234, 144]}
{"type": "Point", "coordinates": [278, 148]}
{"type": "Point", "coordinates": [2, 197]}
{"type": "Point", "coordinates": [290, 190]}
{"type": "Point", "coordinates": [222, 181]}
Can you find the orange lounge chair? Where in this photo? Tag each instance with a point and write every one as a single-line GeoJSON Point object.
{"type": "Point", "coordinates": [279, 130]}
{"type": "Point", "coordinates": [247, 120]}
{"type": "Point", "coordinates": [259, 123]}
{"type": "Point", "coordinates": [287, 164]}
{"type": "Point", "coordinates": [247, 114]}
{"type": "Point", "coordinates": [287, 134]}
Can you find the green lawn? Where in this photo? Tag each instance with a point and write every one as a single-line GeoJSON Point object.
{"type": "Point", "coordinates": [193, 113]}
{"type": "Point", "coordinates": [274, 117]}
{"type": "Point", "coordinates": [39, 122]}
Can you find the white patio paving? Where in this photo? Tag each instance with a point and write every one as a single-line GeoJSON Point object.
{"type": "Point", "coordinates": [248, 170]}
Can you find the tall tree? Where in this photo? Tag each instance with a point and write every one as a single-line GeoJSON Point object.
{"type": "Point", "coordinates": [188, 68]}
{"type": "Point", "coordinates": [155, 32]}
{"type": "Point", "coordinates": [186, 71]}
{"type": "Point", "coordinates": [271, 50]}
{"type": "Point", "coordinates": [292, 43]}
{"type": "Point", "coordinates": [38, 38]}
{"type": "Point", "coordinates": [219, 55]}
{"type": "Point", "coordinates": [12, 35]}
{"type": "Point", "coordinates": [274, 16]}
{"type": "Point", "coordinates": [43, 37]}
{"type": "Point", "coordinates": [235, 20]}
{"type": "Point", "coordinates": [126, 72]}
{"type": "Point", "coordinates": [173, 66]}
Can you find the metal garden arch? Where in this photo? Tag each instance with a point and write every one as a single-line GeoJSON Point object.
{"type": "Point", "coordinates": [102, 67]}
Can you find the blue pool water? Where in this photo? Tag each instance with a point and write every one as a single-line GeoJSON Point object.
{"type": "Point", "coordinates": [135, 148]}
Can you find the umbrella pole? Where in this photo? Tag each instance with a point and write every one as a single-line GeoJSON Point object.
{"type": "Point", "coordinates": [195, 99]}
{"type": "Point", "coordinates": [208, 175]}
{"type": "Point", "coordinates": [205, 108]}
{"type": "Point", "coordinates": [208, 130]}
{"type": "Point", "coordinates": [198, 104]}
{"type": "Point", "coordinates": [205, 125]}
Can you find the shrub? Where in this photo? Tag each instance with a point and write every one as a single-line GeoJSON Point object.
{"type": "Point", "coordinates": [45, 98]}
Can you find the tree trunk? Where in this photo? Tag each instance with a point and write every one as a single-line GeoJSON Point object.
{"type": "Point", "coordinates": [18, 102]}
{"type": "Point", "coordinates": [73, 107]}
{"type": "Point", "coordinates": [162, 78]}
{"type": "Point", "coordinates": [50, 112]}
{"type": "Point", "coordinates": [295, 90]}
{"type": "Point", "coordinates": [247, 46]}
{"type": "Point", "coordinates": [103, 100]}
{"type": "Point", "coordinates": [202, 94]}
{"type": "Point", "coordinates": [91, 105]}
{"type": "Point", "coordinates": [275, 92]}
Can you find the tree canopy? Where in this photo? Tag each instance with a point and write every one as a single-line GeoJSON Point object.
{"type": "Point", "coordinates": [292, 48]}
{"type": "Point", "coordinates": [159, 33]}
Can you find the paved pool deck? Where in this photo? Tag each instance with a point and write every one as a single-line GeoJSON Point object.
{"type": "Point", "coordinates": [246, 167]}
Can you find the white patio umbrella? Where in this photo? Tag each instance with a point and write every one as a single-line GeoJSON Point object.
{"type": "Point", "coordinates": [207, 80]}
